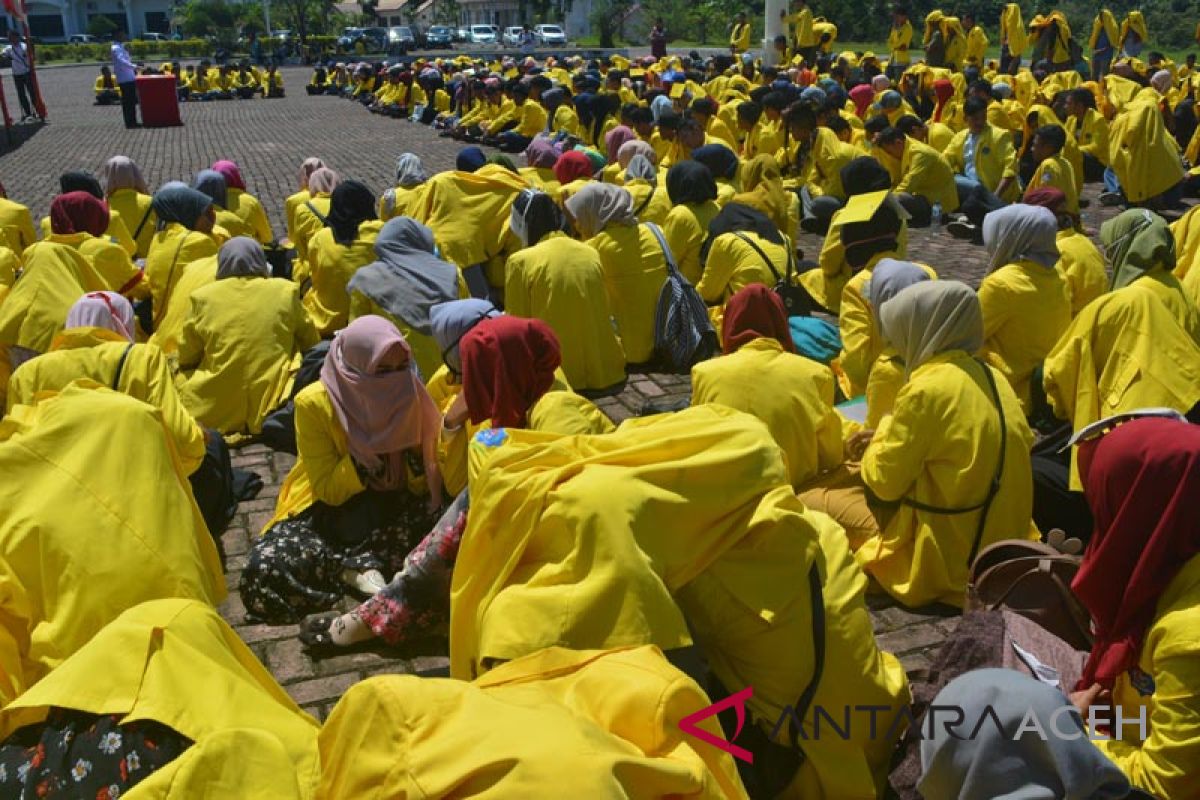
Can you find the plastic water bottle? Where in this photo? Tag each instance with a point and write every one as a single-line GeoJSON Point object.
{"type": "Point", "coordinates": [936, 215]}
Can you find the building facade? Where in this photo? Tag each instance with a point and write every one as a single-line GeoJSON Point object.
{"type": "Point", "coordinates": [56, 20]}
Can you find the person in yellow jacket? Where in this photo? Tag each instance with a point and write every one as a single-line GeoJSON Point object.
{"type": "Point", "coordinates": [693, 192]}
{"type": "Point", "coordinates": [956, 43]}
{"type": "Point", "coordinates": [337, 251]}
{"type": "Point", "coordinates": [1080, 262]}
{"type": "Point", "coordinates": [1140, 581]}
{"type": "Point", "coordinates": [1013, 39]}
{"type": "Point", "coordinates": [533, 722]}
{"type": "Point", "coordinates": [1025, 300]}
{"type": "Point", "coordinates": [651, 201]}
{"type": "Point", "coordinates": [185, 220]}
{"type": "Point", "coordinates": [1103, 43]}
{"type": "Point", "coordinates": [81, 220]}
{"type": "Point", "coordinates": [310, 220]}
{"type": "Point", "coordinates": [1140, 248]}
{"type": "Point", "coordinates": [410, 178]}
{"type": "Point", "coordinates": [814, 165]}
{"type": "Point", "coordinates": [1052, 42]}
{"type": "Point", "coordinates": [561, 282]}
{"type": "Point", "coordinates": [189, 707]}
{"type": "Point", "coordinates": [622, 488]}
{"type": "Point", "coordinates": [926, 178]}
{"type": "Point", "coordinates": [126, 191]}
{"type": "Point", "coordinates": [1053, 169]}
{"type": "Point", "coordinates": [513, 132]}
{"type": "Point", "coordinates": [744, 248]}
{"type": "Point", "coordinates": [1187, 242]}
{"type": "Point", "coordinates": [798, 410]}
{"type": "Point", "coordinates": [67, 448]}
{"type": "Point", "coordinates": [212, 183]}
{"type": "Point", "coordinates": [1090, 131]}
{"type": "Point", "coordinates": [1133, 35]}
{"type": "Point", "coordinates": [83, 181]}
{"type": "Point", "coordinates": [804, 38]}
{"type": "Point", "coordinates": [940, 450]}
{"type": "Point", "coordinates": [887, 376]}
{"type": "Point", "coordinates": [244, 204]}
{"type": "Point", "coordinates": [403, 283]}
{"type": "Point", "coordinates": [239, 342]}
{"type": "Point", "coordinates": [1144, 156]}
{"type": "Point", "coordinates": [739, 34]}
{"type": "Point", "coordinates": [17, 224]}
{"type": "Point", "coordinates": [632, 262]}
{"type": "Point", "coordinates": [293, 201]}
{"type": "Point", "coordinates": [899, 41]}
{"type": "Point", "coordinates": [984, 163]}
{"type": "Point", "coordinates": [54, 276]}
{"type": "Point", "coordinates": [977, 41]}
{"type": "Point", "coordinates": [107, 91]}
{"type": "Point", "coordinates": [271, 84]}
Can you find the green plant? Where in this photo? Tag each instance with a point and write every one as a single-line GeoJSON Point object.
{"type": "Point", "coordinates": [101, 26]}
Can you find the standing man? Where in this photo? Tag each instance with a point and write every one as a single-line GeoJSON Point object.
{"type": "Point", "coordinates": [739, 36]}
{"type": "Point", "coordinates": [19, 53]}
{"type": "Point", "coordinates": [899, 39]}
{"type": "Point", "coordinates": [801, 20]}
{"type": "Point", "coordinates": [977, 41]}
{"type": "Point", "coordinates": [126, 78]}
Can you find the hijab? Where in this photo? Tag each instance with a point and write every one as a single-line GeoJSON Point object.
{"type": "Point", "coordinates": [502, 160]}
{"type": "Point", "coordinates": [107, 310]}
{"type": "Point", "coordinates": [659, 105]}
{"type": "Point", "coordinates": [307, 168]}
{"type": "Point", "coordinates": [571, 166]}
{"type": "Point", "coordinates": [78, 212]}
{"type": "Point", "coordinates": [720, 160]}
{"type": "Point", "coordinates": [861, 96]}
{"type": "Point", "coordinates": [242, 257]}
{"type": "Point", "coordinates": [1021, 232]}
{"type": "Point", "coordinates": [469, 159]}
{"type": "Point", "coordinates": [641, 168]}
{"type": "Point", "coordinates": [1135, 242]}
{"type": "Point", "coordinates": [879, 234]}
{"type": "Point", "coordinates": [1141, 482]}
{"type": "Point", "coordinates": [508, 363]}
{"type": "Point", "coordinates": [541, 153]}
{"type": "Point", "coordinates": [864, 175]}
{"type": "Point", "coordinates": [350, 205]}
{"type": "Point", "coordinates": [943, 89]}
{"type": "Point", "coordinates": [735, 217]}
{"type": "Point", "coordinates": [931, 318]}
{"type": "Point", "coordinates": [231, 173]}
{"type": "Point", "coordinates": [755, 312]}
{"type": "Point", "coordinates": [690, 182]}
{"type": "Point", "coordinates": [121, 172]}
{"type": "Point", "coordinates": [410, 171]}
{"type": "Point", "coordinates": [1161, 81]}
{"type": "Point", "coordinates": [384, 413]}
{"type": "Point", "coordinates": [880, 83]}
{"type": "Point", "coordinates": [615, 138]}
{"type": "Point", "coordinates": [1050, 197]}
{"type": "Point", "coordinates": [889, 277]}
{"type": "Point", "coordinates": [80, 181]}
{"type": "Point", "coordinates": [1007, 758]}
{"type": "Point", "coordinates": [177, 202]}
{"type": "Point", "coordinates": [533, 216]}
{"type": "Point", "coordinates": [407, 279]}
{"type": "Point", "coordinates": [323, 181]}
{"type": "Point", "coordinates": [212, 183]}
{"type": "Point", "coordinates": [598, 205]}
{"type": "Point", "coordinates": [634, 148]}
{"type": "Point", "coordinates": [762, 188]}
{"type": "Point", "coordinates": [449, 323]}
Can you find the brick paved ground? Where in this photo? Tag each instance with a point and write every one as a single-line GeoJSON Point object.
{"type": "Point", "coordinates": [269, 139]}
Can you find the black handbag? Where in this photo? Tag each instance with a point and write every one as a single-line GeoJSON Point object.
{"type": "Point", "coordinates": [796, 299]}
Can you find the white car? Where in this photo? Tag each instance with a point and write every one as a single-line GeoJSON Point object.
{"type": "Point", "coordinates": [154, 37]}
{"type": "Point", "coordinates": [512, 35]}
{"type": "Point", "coordinates": [82, 38]}
{"type": "Point", "coordinates": [550, 34]}
{"type": "Point", "coordinates": [482, 34]}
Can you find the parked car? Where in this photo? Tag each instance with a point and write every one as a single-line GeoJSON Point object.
{"type": "Point", "coordinates": [82, 38]}
{"type": "Point", "coordinates": [401, 39]}
{"type": "Point", "coordinates": [440, 36]}
{"type": "Point", "coordinates": [550, 34]}
{"type": "Point", "coordinates": [461, 35]}
{"type": "Point", "coordinates": [512, 35]}
{"type": "Point", "coordinates": [150, 36]}
{"type": "Point", "coordinates": [375, 40]}
{"type": "Point", "coordinates": [483, 34]}
{"type": "Point", "coordinates": [283, 35]}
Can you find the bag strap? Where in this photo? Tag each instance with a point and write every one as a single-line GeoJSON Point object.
{"type": "Point", "coordinates": [672, 269]}
{"type": "Point", "coordinates": [142, 224]}
{"type": "Point", "coordinates": [762, 255]}
{"type": "Point", "coordinates": [313, 209]}
{"type": "Point", "coordinates": [116, 381]}
{"type": "Point", "coordinates": [637, 212]}
{"type": "Point", "coordinates": [816, 599]}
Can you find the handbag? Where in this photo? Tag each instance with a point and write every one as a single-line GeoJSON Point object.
{"type": "Point", "coordinates": [683, 333]}
{"type": "Point", "coordinates": [797, 302]}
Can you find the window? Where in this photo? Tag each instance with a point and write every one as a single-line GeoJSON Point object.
{"type": "Point", "coordinates": [46, 26]}
{"type": "Point", "coordinates": [157, 22]}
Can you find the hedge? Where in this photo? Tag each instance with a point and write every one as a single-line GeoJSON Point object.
{"type": "Point", "coordinates": [140, 50]}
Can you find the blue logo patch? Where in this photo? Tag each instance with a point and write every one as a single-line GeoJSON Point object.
{"type": "Point", "coordinates": [492, 437]}
{"type": "Point", "coordinates": [1141, 682]}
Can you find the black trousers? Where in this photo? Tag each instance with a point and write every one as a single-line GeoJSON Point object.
{"type": "Point", "coordinates": [24, 93]}
{"type": "Point", "coordinates": [919, 210]}
{"type": "Point", "coordinates": [129, 103]}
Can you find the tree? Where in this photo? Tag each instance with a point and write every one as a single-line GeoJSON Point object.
{"type": "Point", "coordinates": [607, 17]}
{"type": "Point", "coordinates": [306, 16]}
{"type": "Point", "coordinates": [445, 12]}
{"type": "Point", "coordinates": [101, 26]}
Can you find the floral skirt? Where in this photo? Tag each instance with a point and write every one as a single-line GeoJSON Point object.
{"type": "Point", "coordinates": [78, 755]}
{"type": "Point", "coordinates": [296, 567]}
{"type": "Point", "coordinates": [416, 604]}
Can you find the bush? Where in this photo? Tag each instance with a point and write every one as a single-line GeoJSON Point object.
{"type": "Point", "coordinates": [140, 50]}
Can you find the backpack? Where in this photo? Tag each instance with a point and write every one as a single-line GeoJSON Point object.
{"type": "Point", "coordinates": [797, 302]}
{"type": "Point", "coordinates": [683, 333]}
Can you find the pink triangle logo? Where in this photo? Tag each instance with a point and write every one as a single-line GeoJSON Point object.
{"type": "Point", "coordinates": [738, 701]}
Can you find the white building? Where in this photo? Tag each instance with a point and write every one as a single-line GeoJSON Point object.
{"type": "Point", "coordinates": [55, 20]}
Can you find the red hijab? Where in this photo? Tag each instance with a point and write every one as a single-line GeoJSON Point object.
{"type": "Point", "coordinates": [1141, 481]}
{"type": "Point", "coordinates": [755, 312]}
{"type": "Point", "coordinates": [572, 165]}
{"type": "Point", "coordinates": [231, 173]}
{"type": "Point", "coordinates": [944, 90]}
{"type": "Point", "coordinates": [508, 363]}
{"type": "Point", "coordinates": [78, 212]}
{"type": "Point", "coordinates": [862, 96]}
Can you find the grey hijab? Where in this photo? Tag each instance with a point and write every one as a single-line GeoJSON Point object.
{"type": "Point", "coordinates": [409, 171]}
{"type": "Point", "coordinates": [991, 764]}
{"type": "Point", "coordinates": [212, 183]}
{"type": "Point", "coordinates": [930, 318]}
{"type": "Point", "coordinates": [887, 279]}
{"type": "Point", "coordinates": [177, 202]}
{"type": "Point", "coordinates": [640, 167]}
{"type": "Point", "coordinates": [242, 257]}
{"type": "Point", "coordinates": [451, 321]}
{"type": "Point", "coordinates": [408, 279]}
{"type": "Point", "coordinates": [1020, 232]}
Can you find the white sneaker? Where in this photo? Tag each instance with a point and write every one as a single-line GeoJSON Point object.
{"type": "Point", "coordinates": [1110, 199]}
{"type": "Point", "coordinates": [961, 229]}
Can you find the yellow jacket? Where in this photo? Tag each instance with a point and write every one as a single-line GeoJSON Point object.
{"type": "Point", "coordinates": [1170, 292]}
{"type": "Point", "coordinates": [798, 410]}
{"type": "Point", "coordinates": [1082, 264]}
{"type": "Point", "coordinates": [116, 232]}
{"type": "Point", "coordinates": [1091, 134]}
{"type": "Point", "coordinates": [995, 158]}
{"type": "Point", "coordinates": [1163, 764]}
{"type": "Point", "coordinates": [739, 37]}
{"type": "Point", "coordinates": [561, 282]}
{"type": "Point", "coordinates": [307, 225]}
{"type": "Point", "coordinates": [734, 264]}
{"type": "Point", "coordinates": [977, 45]}
{"type": "Point", "coordinates": [250, 211]}
{"type": "Point", "coordinates": [176, 662]}
{"type": "Point", "coordinates": [608, 719]}
{"type": "Point", "coordinates": [634, 270]}
{"type": "Point", "coordinates": [1056, 171]}
{"type": "Point", "coordinates": [827, 283]}
{"type": "Point", "coordinates": [399, 201]}
{"type": "Point", "coordinates": [168, 330]}
{"type": "Point", "coordinates": [940, 446]}
{"type": "Point", "coordinates": [685, 229]}
{"type": "Point", "coordinates": [1143, 153]}
{"type": "Point", "coordinates": [765, 137]}
{"type": "Point", "coordinates": [802, 27]}
{"type": "Point", "coordinates": [237, 350]}
{"type": "Point", "coordinates": [333, 265]}
{"type": "Point", "coordinates": [170, 251]}
{"type": "Point", "coordinates": [1104, 21]}
{"type": "Point", "coordinates": [646, 525]}
{"type": "Point", "coordinates": [899, 40]}
{"type": "Point", "coordinates": [135, 207]}
{"type": "Point", "coordinates": [110, 260]}
{"type": "Point", "coordinates": [926, 173]}
{"type": "Point", "coordinates": [87, 458]}
{"type": "Point", "coordinates": [1026, 307]}
{"type": "Point", "coordinates": [10, 265]}
{"type": "Point", "coordinates": [290, 204]}
{"type": "Point", "coordinates": [884, 383]}
{"type": "Point", "coordinates": [17, 224]}
{"type": "Point", "coordinates": [1134, 23]}
{"type": "Point", "coordinates": [94, 354]}
{"type": "Point", "coordinates": [1124, 351]}
{"type": "Point", "coordinates": [1187, 248]}
{"type": "Point", "coordinates": [54, 278]}
{"type": "Point", "coordinates": [653, 207]}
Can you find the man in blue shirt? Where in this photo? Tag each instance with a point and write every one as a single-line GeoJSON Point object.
{"type": "Point", "coordinates": [126, 76]}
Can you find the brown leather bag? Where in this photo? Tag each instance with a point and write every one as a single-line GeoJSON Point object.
{"type": "Point", "coordinates": [1034, 580]}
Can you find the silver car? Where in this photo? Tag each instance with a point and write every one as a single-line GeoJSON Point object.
{"type": "Point", "coordinates": [482, 34]}
{"type": "Point", "coordinates": [550, 34]}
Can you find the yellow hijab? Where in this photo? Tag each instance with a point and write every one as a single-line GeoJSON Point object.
{"type": "Point", "coordinates": [762, 184]}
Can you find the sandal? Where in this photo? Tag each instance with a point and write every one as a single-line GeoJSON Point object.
{"type": "Point", "coordinates": [318, 641]}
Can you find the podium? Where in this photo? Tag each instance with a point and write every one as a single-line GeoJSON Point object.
{"type": "Point", "coordinates": [159, 100]}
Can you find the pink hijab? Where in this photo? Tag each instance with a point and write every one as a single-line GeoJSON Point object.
{"type": "Point", "coordinates": [231, 173]}
{"type": "Point", "coordinates": [615, 138]}
{"type": "Point", "coordinates": [384, 411]}
{"type": "Point", "coordinates": [862, 95]}
{"type": "Point", "coordinates": [107, 310]}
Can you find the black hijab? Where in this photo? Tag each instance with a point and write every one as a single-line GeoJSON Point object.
{"type": "Point", "coordinates": [720, 160]}
{"type": "Point", "coordinates": [690, 182]}
{"type": "Point", "coordinates": [735, 217]}
{"type": "Point", "coordinates": [80, 181]}
{"type": "Point", "coordinates": [350, 205]}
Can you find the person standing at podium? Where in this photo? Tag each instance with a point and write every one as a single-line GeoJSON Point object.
{"type": "Point", "coordinates": [126, 78]}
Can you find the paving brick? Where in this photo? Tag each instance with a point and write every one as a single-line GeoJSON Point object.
{"type": "Point", "coordinates": [321, 689]}
{"type": "Point", "coordinates": [266, 633]}
{"type": "Point", "coordinates": [288, 661]}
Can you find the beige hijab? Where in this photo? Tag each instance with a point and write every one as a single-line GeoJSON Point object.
{"type": "Point", "coordinates": [929, 318]}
